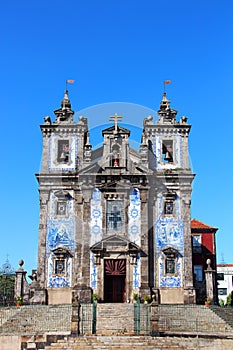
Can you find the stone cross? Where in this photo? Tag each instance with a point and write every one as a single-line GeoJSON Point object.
{"type": "Point", "coordinates": [115, 118]}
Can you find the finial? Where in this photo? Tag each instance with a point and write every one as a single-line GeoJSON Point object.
{"type": "Point", "coordinates": [65, 103]}
{"type": "Point", "coordinates": [87, 144]}
{"type": "Point", "coordinates": [21, 262]}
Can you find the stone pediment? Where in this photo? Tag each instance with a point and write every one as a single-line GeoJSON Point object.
{"type": "Point", "coordinates": [93, 168]}
{"type": "Point", "coordinates": [115, 243]}
{"type": "Point", "coordinates": [120, 130]}
{"type": "Point", "coordinates": [62, 194]}
{"type": "Point", "coordinates": [170, 251]}
{"type": "Point", "coordinates": [61, 252]}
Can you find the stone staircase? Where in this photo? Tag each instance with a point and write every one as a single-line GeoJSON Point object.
{"type": "Point", "coordinates": [225, 313]}
{"type": "Point", "coordinates": [115, 319]}
{"type": "Point", "coordinates": [195, 319]}
{"type": "Point", "coordinates": [130, 343]}
{"type": "Point", "coordinates": [42, 325]}
{"type": "Point", "coordinates": [34, 319]}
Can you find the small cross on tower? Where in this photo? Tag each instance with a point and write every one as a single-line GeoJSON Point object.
{"type": "Point", "coordinates": [115, 118]}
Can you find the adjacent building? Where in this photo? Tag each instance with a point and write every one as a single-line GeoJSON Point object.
{"type": "Point", "coordinates": [224, 281]}
{"type": "Point", "coordinates": [203, 250]}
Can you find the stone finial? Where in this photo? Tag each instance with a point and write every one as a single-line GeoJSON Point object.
{"type": "Point", "coordinates": [21, 262]}
{"type": "Point", "coordinates": [47, 120]}
{"type": "Point", "coordinates": [166, 114]}
{"type": "Point", "coordinates": [208, 262]}
{"type": "Point", "coordinates": [183, 120]}
{"type": "Point", "coordinates": [148, 120]}
{"type": "Point", "coordinates": [65, 103]}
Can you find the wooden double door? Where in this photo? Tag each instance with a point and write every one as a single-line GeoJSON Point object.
{"type": "Point", "coordinates": [114, 280]}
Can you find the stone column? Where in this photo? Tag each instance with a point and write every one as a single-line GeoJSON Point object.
{"type": "Point", "coordinates": [210, 282]}
{"type": "Point", "coordinates": [21, 284]}
{"type": "Point", "coordinates": [41, 268]}
{"type": "Point", "coordinates": [75, 319]}
{"type": "Point", "coordinates": [154, 318]}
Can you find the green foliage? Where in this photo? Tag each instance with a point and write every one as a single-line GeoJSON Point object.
{"type": "Point", "coordinates": [95, 297]}
{"type": "Point", "coordinates": [229, 299]}
{"type": "Point", "coordinates": [19, 300]}
{"type": "Point", "coordinates": [221, 302]}
{"type": "Point", "coordinates": [7, 285]}
{"type": "Point", "coordinates": [135, 296]}
{"type": "Point", "coordinates": [146, 298]}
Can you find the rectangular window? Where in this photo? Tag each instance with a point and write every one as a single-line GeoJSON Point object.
{"type": "Point", "coordinates": [222, 291]}
{"type": "Point", "coordinates": [220, 276]}
{"type": "Point", "coordinates": [167, 151]}
{"type": "Point", "coordinates": [170, 266]}
{"type": "Point", "coordinates": [63, 150]}
{"type": "Point", "coordinates": [168, 207]}
{"type": "Point", "coordinates": [198, 273]}
{"type": "Point", "coordinates": [115, 216]}
{"type": "Point", "coordinates": [196, 240]}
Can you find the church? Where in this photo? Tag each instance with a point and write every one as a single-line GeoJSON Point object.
{"type": "Point", "coordinates": [115, 221]}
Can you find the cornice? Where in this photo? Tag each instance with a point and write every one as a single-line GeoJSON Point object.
{"type": "Point", "coordinates": [168, 129]}
{"type": "Point", "coordinates": [47, 130]}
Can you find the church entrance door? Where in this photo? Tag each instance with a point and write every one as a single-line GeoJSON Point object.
{"type": "Point", "coordinates": [114, 280]}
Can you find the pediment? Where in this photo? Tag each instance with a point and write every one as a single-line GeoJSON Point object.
{"type": "Point", "coordinates": [170, 251]}
{"type": "Point", "coordinates": [62, 194]}
{"type": "Point", "coordinates": [93, 168]}
{"type": "Point", "coordinates": [117, 242]}
{"type": "Point", "coordinates": [120, 130]}
{"type": "Point", "coordinates": [62, 252]}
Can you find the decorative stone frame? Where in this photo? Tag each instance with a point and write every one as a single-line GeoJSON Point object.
{"type": "Point", "coordinates": [60, 254]}
{"type": "Point", "coordinates": [169, 199]}
{"type": "Point", "coordinates": [61, 197]}
{"type": "Point", "coordinates": [71, 163]}
{"type": "Point", "coordinates": [114, 197]}
{"type": "Point", "coordinates": [171, 254]}
{"type": "Point", "coordinates": [167, 149]}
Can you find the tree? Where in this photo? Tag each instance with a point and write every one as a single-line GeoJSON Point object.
{"type": "Point", "coordinates": [7, 284]}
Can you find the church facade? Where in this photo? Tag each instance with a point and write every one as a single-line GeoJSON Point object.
{"type": "Point", "coordinates": [115, 221]}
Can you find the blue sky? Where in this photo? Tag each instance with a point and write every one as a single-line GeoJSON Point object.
{"type": "Point", "coordinates": [116, 51]}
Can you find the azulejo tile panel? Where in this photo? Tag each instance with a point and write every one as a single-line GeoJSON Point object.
{"type": "Point", "coordinates": [134, 217]}
{"type": "Point", "coordinates": [60, 234]}
{"type": "Point", "coordinates": [170, 281]}
{"type": "Point", "coordinates": [169, 234]}
{"type": "Point", "coordinates": [93, 272]}
{"type": "Point", "coordinates": [96, 233]}
{"type": "Point", "coordinates": [59, 281]}
{"type": "Point", "coordinates": [96, 217]}
{"type": "Point", "coordinates": [136, 273]}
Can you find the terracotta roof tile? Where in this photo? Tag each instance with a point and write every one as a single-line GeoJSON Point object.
{"type": "Point", "coordinates": [196, 224]}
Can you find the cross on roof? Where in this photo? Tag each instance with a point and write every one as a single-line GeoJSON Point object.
{"type": "Point", "coordinates": [115, 118]}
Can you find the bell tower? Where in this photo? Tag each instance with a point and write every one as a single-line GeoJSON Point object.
{"type": "Point", "coordinates": [63, 154]}
{"type": "Point", "coordinates": [170, 200]}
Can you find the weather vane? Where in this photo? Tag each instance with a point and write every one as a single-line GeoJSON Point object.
{"type": "Point", "coordinates": [166, 82]}
{"type": "Point", "coordinates": [69, 81]}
